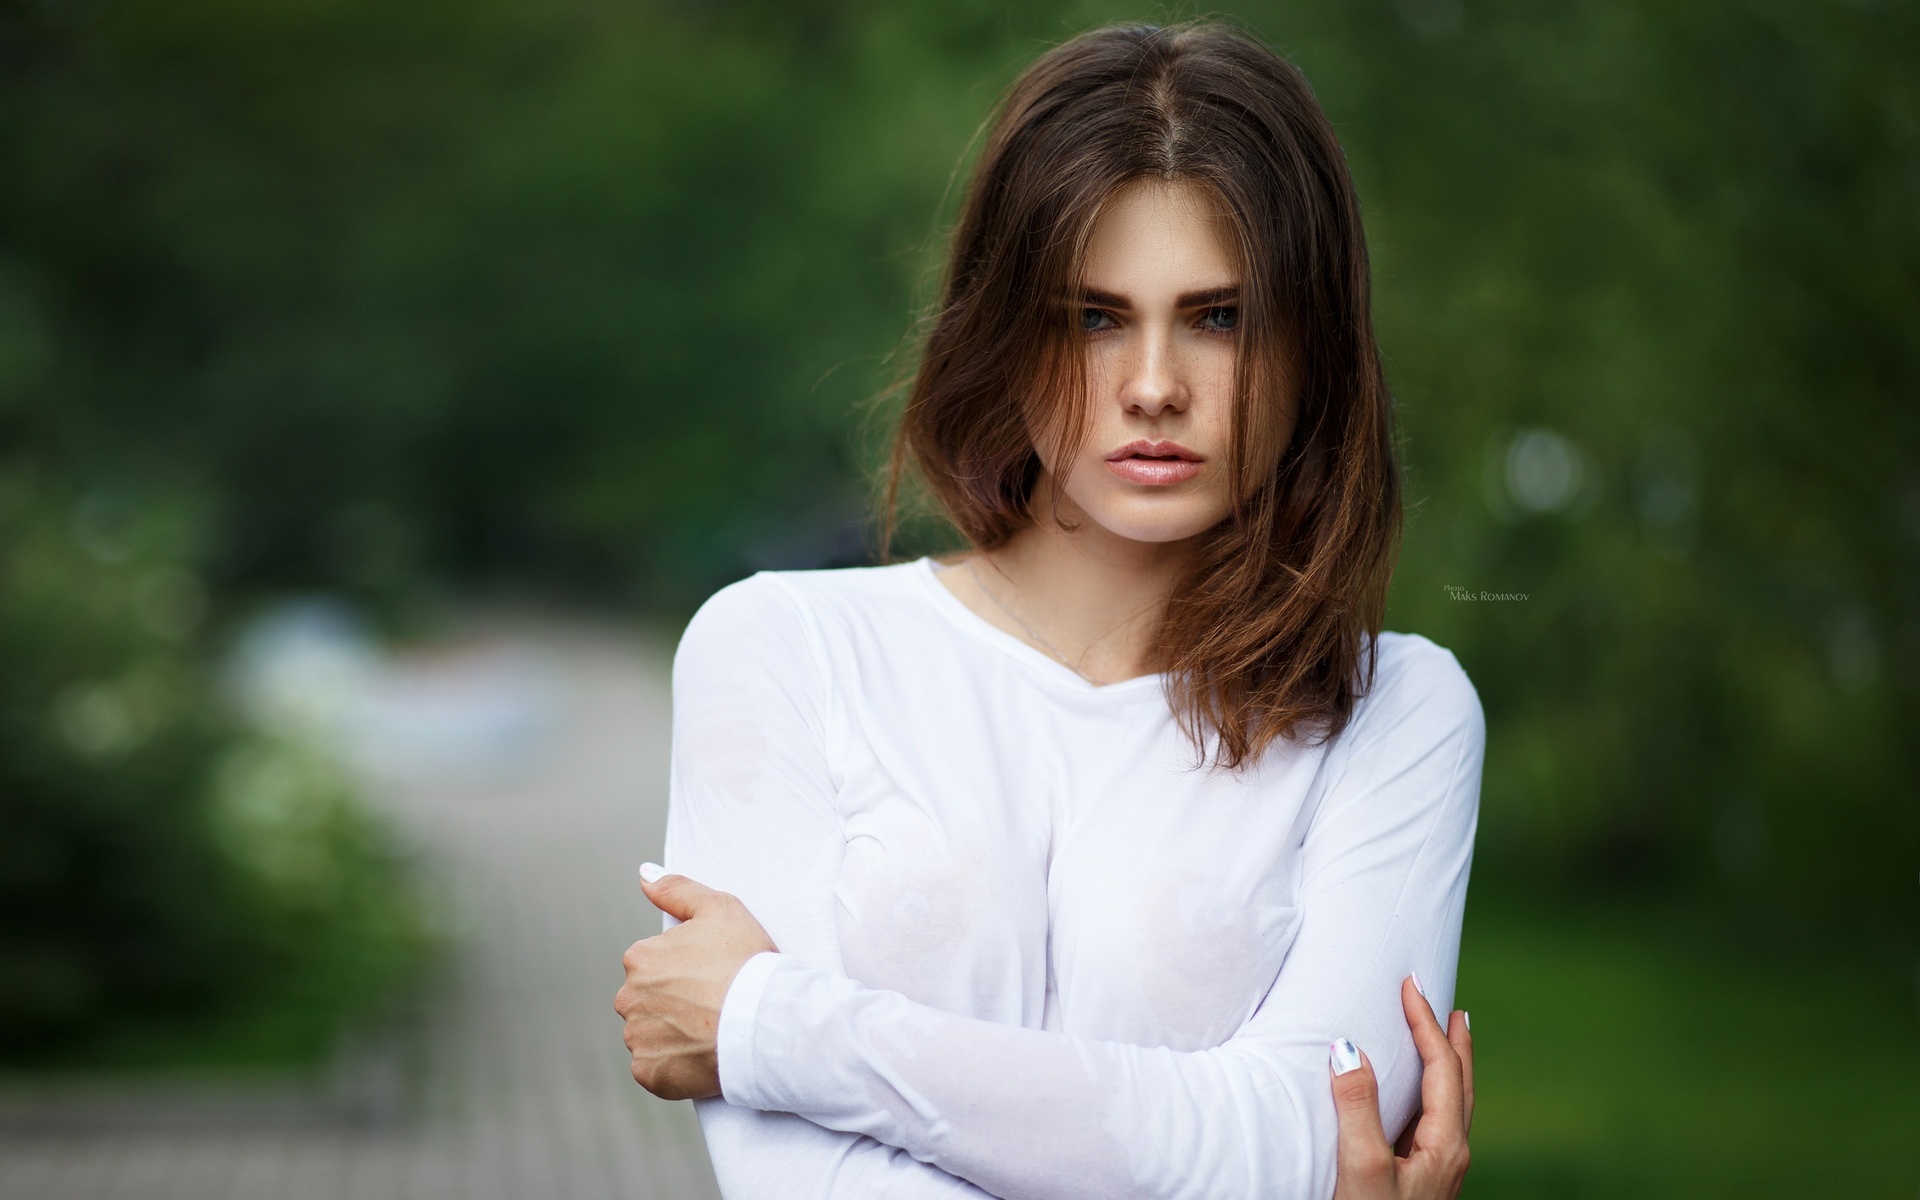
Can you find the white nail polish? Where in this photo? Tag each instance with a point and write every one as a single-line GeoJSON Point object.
{"type": "Point", "coordinates": [1346, 1057]}
{"type": "Point", "coordinates": [1466, 1018]}
{"type": "Point", "coordinates": [1416, 984]}
{"type": "Point", "coordinates": [651, 872]}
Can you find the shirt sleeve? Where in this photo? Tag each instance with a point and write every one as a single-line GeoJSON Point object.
{"type": "Point", "coordinates": [750, 811]}
{"type": "Point", "coordinates": [1028, 1113]}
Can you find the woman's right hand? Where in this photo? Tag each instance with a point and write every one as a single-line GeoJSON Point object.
{"type": "Point", "coordinates": [1435, 1162]}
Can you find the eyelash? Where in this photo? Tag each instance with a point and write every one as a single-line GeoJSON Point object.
{"type": "Point", "coordinates": [1232, 312]}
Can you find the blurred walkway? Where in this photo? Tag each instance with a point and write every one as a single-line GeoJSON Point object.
{"type": "Point", "coordinates": [531, 765]}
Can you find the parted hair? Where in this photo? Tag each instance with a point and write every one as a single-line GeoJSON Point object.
{"type": "Point", "coordinates": [1271, 633]}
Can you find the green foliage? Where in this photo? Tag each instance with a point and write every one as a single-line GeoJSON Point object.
{"type": "Point", "coordinates": [1628, 1054]}
{"type": "Point", "coordinates": [158, 866]}
{"type": "Point", "coordinates": [1673, 245]}
{"type": "Point", "coordinates": [589, 296]}
{"type": "Point", "coordinates": [476, 291]}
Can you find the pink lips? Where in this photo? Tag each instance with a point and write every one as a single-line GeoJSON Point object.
{"type": "Point", "coordinates": [1154, 463]}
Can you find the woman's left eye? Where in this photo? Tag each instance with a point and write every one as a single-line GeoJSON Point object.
{"type": "Point", "coordinates": [1220, 320]}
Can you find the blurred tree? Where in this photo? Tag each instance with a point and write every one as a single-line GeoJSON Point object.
{"type": "Point", "coordinates": [474, 292]}
{"type": "Point", "coordinates": [157, 863]}
{"type": "Point", "coordinates": [1648, 278]}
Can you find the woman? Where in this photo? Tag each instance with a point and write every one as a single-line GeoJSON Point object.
{"type": "Point", "coordinates": [1080, 849]}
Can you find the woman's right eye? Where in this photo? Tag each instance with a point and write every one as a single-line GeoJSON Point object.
{"type": "Point", "coordinates": [1092, 320]}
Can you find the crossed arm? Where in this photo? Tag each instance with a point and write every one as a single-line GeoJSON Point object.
{"type": "Point", "coordinates": [677, 985]}
{"type": "Point", "coordinates": [837, 1089]}
{"type": "Point", "coordinates": [863, 1093]}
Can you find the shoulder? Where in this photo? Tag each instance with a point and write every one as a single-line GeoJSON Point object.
{"type": "Point", "coordinates": [1415, 743]}
{"type": "Point", "coordinates": [1420, 691]}
{"type": "Point", "coordinates": [784, 610]}
{"type": "Point", "coordinates": [1411, 667]}
{"type": "Point", "coordinates": [863, 595]}
{"type": "Point", "coordinates": [881, 589]}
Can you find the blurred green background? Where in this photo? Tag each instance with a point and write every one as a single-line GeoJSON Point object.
{"type": "Point", "coordinates": [587, 303]}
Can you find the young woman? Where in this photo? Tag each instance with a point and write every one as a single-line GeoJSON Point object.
{"type": "Point", "coordinates": [1080, 849]}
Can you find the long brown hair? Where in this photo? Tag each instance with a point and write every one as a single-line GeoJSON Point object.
{"type": "Point", "coordinates": [1271, 632]}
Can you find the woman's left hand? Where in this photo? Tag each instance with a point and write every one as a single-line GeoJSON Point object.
{"type": "Point", "coordinates": [1433, 1159]}
{"type": "Point", "coordinates": [676, 983]}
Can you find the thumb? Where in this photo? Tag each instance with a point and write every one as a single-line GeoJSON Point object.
{"type": "Point", "coordinates": [1364, 1151]}
{"type": "Point", "coordinates": [676, 895]}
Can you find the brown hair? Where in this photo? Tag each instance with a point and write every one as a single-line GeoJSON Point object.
{"type": "Point", "coordinates": [1271, 633]}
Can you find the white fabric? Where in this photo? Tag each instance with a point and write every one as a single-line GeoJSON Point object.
{"type": "Point", "coordinates": [1027, 946]}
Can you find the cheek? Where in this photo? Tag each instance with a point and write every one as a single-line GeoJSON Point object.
{"type": "Point", "coordinates": [1210, 368]}
{"type": "Point", "coordinates": [1049, 423]}
{"type": "Point", "coordinates": [1101, 378]}
{"type": "Point", "coordinates": [1105, 369]}
{"type": "Point", "coordinates": [1214, 367]}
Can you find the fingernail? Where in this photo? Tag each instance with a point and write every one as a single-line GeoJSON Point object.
{"type": "Point", "coordinates": [651, 872]}
{"type": "Point", "coordinates": [1466, 1018]}
{"type": "Point", "coordinates": [1346, 1057]}
{"type": "Point", "coordinates": [1416, 984]}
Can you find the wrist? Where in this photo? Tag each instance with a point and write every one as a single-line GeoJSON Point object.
{"type": "Point", "coordinates": [739, 1018]}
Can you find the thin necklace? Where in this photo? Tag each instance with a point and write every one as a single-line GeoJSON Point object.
{"type": "Point", "coordinates": [1028, 629]}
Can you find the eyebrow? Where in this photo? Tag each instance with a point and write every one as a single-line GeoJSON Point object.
{"type": "Point", "coordinates": [1201, 299]}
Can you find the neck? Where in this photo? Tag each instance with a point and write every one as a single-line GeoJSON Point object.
{"type": "Point", "coordinates": [1095, 599]}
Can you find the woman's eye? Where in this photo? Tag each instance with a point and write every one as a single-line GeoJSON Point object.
{"type": "Point", "coordinates": [1220, 320]}
{"type": "Point", "coordinates": [1094, 319]}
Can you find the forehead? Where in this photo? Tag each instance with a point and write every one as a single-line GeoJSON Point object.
{"type": "Point", "coordinates": [1156, 235]}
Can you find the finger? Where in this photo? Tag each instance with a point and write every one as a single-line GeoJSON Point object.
{"type": "Point", "coordinates": [1363, 1150]}
{"type": "Point", "coordinates": [635, 957]}
{"type": "Point", "coordinates": [1460, 1035]}
{"type": "Point", "coordinates": [676, 895]}
{"type": "Point", "coordinates": [1403, 1145]}
{"type": "Point", "coordinates": [1441, 1093]}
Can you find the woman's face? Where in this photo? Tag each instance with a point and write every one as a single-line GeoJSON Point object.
{"type": "Point", "coordinates": [1159, 309]}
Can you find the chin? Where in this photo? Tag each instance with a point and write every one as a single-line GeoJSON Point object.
{"type": "Point", "coordinates": [1157, 519]}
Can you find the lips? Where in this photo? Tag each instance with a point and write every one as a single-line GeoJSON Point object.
{"type": "Point", "coordinates": [1154, 463]}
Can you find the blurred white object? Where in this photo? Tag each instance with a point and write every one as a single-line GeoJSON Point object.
{"type": "Point", "coordinates": [300, 667]}
{"type": "Point", "coordinates": [1545, 471]}
{"type": "Point", "coordinates": [310, 670]}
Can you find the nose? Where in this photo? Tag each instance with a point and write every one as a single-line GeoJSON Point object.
{"type": "Point", "coordinates": [1154, 383]}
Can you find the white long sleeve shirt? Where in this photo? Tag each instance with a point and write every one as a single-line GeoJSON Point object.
{"type": "Point", "coordinates": [1027, 945]}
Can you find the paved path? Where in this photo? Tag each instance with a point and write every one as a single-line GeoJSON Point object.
{"type": "Point", "coordinates": [531, 766]}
